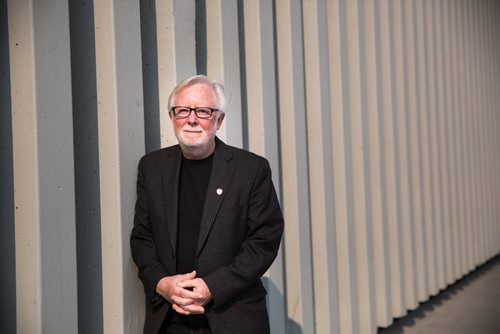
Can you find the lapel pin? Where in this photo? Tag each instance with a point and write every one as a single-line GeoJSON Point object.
{"type": "Point", "coordinates": [219, 191]}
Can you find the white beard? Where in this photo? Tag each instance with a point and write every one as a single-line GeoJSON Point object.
{"type": "Point", "coordinates": [197, 144]}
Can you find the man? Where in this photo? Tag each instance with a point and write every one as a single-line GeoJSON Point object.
{"type": "Point", "coordinates": [207, 224]}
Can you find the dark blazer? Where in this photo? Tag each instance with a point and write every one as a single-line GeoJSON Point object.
{"type": "Point", "coordinates": [239, 236]}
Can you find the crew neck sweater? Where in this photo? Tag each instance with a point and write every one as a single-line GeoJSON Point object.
{"type": "Point", "coordinates": [194, 178]}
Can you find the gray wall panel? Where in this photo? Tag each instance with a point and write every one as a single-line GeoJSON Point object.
{"type": "Point", "coordinates": [7, 230]}
{"type": "Point", "coordinates": [40, 68]}
{"type": "Point", "coordinates": [121, 144]}
{"type": "Point", "coordinates": [150, 73]}
{"type": "Point", "coordinates": [260, 105]}
{"type": "Point", "coordinates": [87, 191]}
{"type": "Point", "coordinates": [404, 157]}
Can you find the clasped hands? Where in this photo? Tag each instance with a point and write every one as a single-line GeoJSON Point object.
{"type": "Point", "coordinates": [187, 294]}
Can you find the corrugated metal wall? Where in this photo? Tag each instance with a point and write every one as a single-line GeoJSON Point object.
{"type": "Point", "coordinates": [380, 119]}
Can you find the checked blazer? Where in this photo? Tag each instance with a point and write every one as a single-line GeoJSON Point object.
{"type": "Point", "coordinates": [239, 237]}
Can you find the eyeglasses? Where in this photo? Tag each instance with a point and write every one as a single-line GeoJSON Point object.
{"type": "Point", "coordinates": [200, 112]}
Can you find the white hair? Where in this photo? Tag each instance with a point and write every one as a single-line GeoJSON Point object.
{"type": "Point", "coordinates": [216, 86]}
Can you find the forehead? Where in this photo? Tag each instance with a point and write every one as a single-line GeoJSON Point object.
{"type": "Point", "coordinates": [198, 94]}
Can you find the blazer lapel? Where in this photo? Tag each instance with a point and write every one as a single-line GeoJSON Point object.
{"type": "Point", "coordinates": [222, 170]}
{"type": "Point", "coordinates": [170, 176]}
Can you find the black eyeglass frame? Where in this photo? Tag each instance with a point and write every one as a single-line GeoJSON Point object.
{"type": "Point", "coordinates": [196, 111]}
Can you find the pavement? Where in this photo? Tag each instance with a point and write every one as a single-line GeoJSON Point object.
{"type": "Point", "coordinates": [469, 306]}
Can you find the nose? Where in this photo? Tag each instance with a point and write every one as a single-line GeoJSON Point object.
{"type": "Point", "coordinates": [192, 119]}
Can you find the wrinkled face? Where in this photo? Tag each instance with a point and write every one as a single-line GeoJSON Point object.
{"type": "Point", "coordinates": [195, 135]}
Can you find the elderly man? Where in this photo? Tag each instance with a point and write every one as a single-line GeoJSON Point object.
{"type": "Point", "coordinates": [207, 224]}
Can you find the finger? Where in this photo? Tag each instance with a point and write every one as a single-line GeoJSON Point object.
{"type": "Point", "coordinates": [193, 294]}
{"type": "Point", "coordinates": [183, 301]}
{"type": "Point", "coordinates": [189, 283]}
{"type": "Point", "coordinates": [192, 309]}
{"type": "Point", "coordinates": [188, 276]}
{"type": "Point", "coordinates": [180, 310]}
{"type": "Point", "coordinates": [188, 293]}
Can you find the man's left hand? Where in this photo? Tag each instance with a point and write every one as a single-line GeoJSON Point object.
{"type": "Point", "coordinates": [198, 286]}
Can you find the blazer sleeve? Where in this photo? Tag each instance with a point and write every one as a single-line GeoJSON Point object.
{"type": "Point", "coordinates": [143, 244]}
{"type": "Point", "coordinates": [257, 252]}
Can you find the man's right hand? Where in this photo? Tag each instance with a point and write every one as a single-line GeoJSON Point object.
{"type": "Point", "coordinates": [179, 297]}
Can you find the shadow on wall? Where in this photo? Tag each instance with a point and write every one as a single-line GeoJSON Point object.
{"type": "Point", "coordinates": [290, 326]}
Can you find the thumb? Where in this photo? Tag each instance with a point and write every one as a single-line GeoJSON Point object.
{"type": "Point", "coordinates": [190, 275]}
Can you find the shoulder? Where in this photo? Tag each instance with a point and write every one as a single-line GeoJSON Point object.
{"type": "Point", "coordinates": [244, 160]}
{"type": "Point", "coordinates": [239, 154]}
{"type": "Point", "coordinates": [156, 158]}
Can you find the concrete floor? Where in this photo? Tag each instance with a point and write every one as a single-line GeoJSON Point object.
{"type": "Point", "coordinates": [470, 306]}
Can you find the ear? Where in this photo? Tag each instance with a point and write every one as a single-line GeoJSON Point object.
{"type": "Point", "coordinates": [220, 119]}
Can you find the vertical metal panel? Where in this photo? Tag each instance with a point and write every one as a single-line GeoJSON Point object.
{"type": "Point", "coordinates": [424, 105]}
{"type": "Point", "coordinates": [412, 92]}
{"type": "Point", "coordinates": [482, 171]}
{"type": "Point", "coordinates": [489, 121]}
{"type": "Point", "coordinates": [378, 210]}
{"type": "Point", "coordinates": [121, 143]}
{"type": "Point", "coordinates": [435, 222]}
{"type": "Point", "coordinates": [460, 149]}
{"type": "Point", "coordinates": [261, 92]}
{"type": "Point", "coordinates": [86, 159]}
{"type": "Point", "coordinates": [451, 133]}
{"type": "Point", "coordinates": [25, 163]}
{"type": "Point", "coordinates": [467, 136]}
{"type": "Point", "coordinates": [485, 127]}
{"type": "Point", "coordinates": [492, 83]}
{"type": "Point", "coordinates": [360, 175]}
{"type": "Point", "coordinates": [44, 174]}
{"type": "Point", "coordinates": [492, 121]}
{"type": "Point", "coordinates": [482, 131]}
{"type": "Point", "coordinates": [176, 55]}
{"type": "Point", "coordinates": [488, 69]}
{"type": "Point", "coordinates": [150, 71]}
{"type": "Point", "coordinates": [473, 144]}
{"type": "Point", "coordinates": [440, 153]}
{"type": "Point", "coordinates": [297, 240]}
{"type": "Point", "coordinates": [451, 201]}
{"type": "Point", "coordinates": [493, 42]}
{"type": "Point", "coordinates": [390, 155]}
{"type": "Point", "coordinates": [490, 74]}
{"type": "Point", "coordinates": [488, 137]}
{"type": "Point", "coordinates": [496, 45]}
{"type": "Point", "coordinates": [478, 117]}
{"type": "Point", "coordinates": [403, 138]}
{"type": "Point", "coordinates": [496, 72]}
{"type": "Point", "coordinates": [344, 227]}
{"type": "Point", "coordinates": [223, 63]}
{"type": "Point", "coordinates": [497, 128]}
{"type": "Point", "coordinates": [320, 169]}
{"type": "Point", "coordinates": [443, 215]}
{"type": "Point", "coordinates": [7, 226]}
{"type": "Point", "coordinates": [262, 105]}
{"type": "Point", "coordinates": [472, 112]}
{"type": "Point", "coordinates": [460, 110]}
{"type": "Point", "coordinates": [55, 166]}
